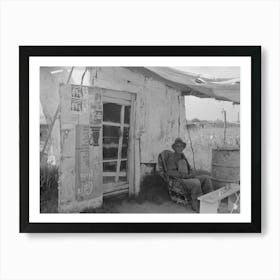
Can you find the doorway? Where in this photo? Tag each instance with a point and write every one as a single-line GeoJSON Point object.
{"type": "Point", "coordinates": [116, 127]}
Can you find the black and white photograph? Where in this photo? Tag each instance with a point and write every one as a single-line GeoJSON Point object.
{"type": "Point", "coordinates": [129, 144]}
{"type": "Point", "coordinates": [140, 139]}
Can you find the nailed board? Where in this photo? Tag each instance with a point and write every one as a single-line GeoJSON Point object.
{"type": "Point", "coordinates": [81, 153]}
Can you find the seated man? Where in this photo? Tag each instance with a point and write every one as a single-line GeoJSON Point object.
{"type": "Point", "coordinates": [191, 182]}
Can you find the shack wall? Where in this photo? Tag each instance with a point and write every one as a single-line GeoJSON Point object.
{"type": "Point", "coordinates": [159, 117]}
{"type": "Point", "coordinates": [160, 109]}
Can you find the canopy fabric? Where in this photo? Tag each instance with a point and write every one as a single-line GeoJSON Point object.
{"type": "Point", "coordinates": [194, 84]}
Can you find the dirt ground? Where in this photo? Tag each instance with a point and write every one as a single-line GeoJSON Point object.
{"type": "Point", "coordinates": [153, 198]}
{"type": "Point", "coordinates": [125, 205]}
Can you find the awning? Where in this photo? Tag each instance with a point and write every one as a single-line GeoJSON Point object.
{"type": "Point", "coordinates": [193, 84]}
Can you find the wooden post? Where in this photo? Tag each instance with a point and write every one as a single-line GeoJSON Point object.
{"type": "Point", "coordinates": [209, 202]}
{"type": "Point", "coordinates": [120, 144]}
{"type": "Point", "coordinates": [225, 125]}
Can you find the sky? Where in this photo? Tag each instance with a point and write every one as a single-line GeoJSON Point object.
{"type": "Point", "coordinates": [208, 108]}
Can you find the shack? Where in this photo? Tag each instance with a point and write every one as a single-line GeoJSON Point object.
{"type": "Point", "coordinates": [108, 124]}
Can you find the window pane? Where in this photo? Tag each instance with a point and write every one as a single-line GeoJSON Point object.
{"type": "Point", "coordinates": [111, 112]}
{"type": "Point", "coordinates": [125, 135]}
{"type": "Point", "coordinates": [110, 153]}
{"type": "Point", "coordinates": [122, 179]}
{"type": "Point", "coordinates": [126, 114]}
{"type": "Point", "coordinates": [123, 166]}
{"type": "Point", "coordinates": [125, 142]}
{"type": "Point", "coordinates": [107, 179]}
{"type": "Point", "coordinates": [110, 166]}
{"type": "Point", "coordinates": [124, 151]}
{"type": "Point", "coordinates": [111, 131]}
{"type": "Point", "coordinates": [110, 142]}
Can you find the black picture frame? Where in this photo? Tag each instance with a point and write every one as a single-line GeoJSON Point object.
{"type": "Point", "coordinates": [25, 52]}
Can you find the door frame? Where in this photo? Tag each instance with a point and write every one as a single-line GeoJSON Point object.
{"type": "Point", "coordinates": [125, 98]}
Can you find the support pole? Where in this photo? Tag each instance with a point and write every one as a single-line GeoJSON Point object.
{"type": "Point", "coordinates": [225, 125]}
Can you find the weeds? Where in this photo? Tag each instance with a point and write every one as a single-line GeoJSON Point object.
{"type": "Point", "coordinates": [48, 188]}
{"type": "Point", "coordinates": [206, 139]}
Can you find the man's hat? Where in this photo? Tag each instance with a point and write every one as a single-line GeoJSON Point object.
{"type": "Point", "coordinates": [178, 141]}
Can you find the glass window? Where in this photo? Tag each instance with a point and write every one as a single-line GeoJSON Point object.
{"type": "Point", "coordinates": [110, 141]}
{"type": "Point", "coordinates": [126, 114]}
{"type": "Point", "coordinates": [122, 179]}
{"type": "Point", "coordinates": [107, 179]}
{"type": "Point", "coordinates": [110, 166]}
{"type": "Point", "coordinates": [125, 142]}
{"type": "Point", "coordinates": [123, 166]}
{"type": "Point", "coordinates": [111, 131]}
{"type": "Point", "coordinates": [112, 112]}
{"type": "Point", "coordinates": [110, 153]}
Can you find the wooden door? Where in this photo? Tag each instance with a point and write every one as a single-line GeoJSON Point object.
{"type": "Point", "coordinates": [115, 150]}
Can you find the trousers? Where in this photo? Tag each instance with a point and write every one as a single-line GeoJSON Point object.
{"type": "Point", "coordinates": [196, 187]}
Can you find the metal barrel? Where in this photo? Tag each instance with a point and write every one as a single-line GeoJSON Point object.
{"type": "Point", "coordinates": [225, 166]}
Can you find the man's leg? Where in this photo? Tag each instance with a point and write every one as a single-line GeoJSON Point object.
{"type": "Point", "coordinates": [206, 183]}
{"type": "Point", "coordinates": [193, 187]}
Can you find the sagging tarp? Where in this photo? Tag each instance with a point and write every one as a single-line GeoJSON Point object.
{"type": "Point", "coordinates": [194, 84]}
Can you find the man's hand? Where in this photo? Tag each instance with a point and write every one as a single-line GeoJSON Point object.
{"type": "Point", "coordinates": [193, 172]}
{"type": "Point", "coordinates": [186, 175]}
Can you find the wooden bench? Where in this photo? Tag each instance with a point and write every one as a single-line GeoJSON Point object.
{"type": "Point", "coordinates": [209, 202]}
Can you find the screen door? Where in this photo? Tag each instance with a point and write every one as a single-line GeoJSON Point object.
{"type": "Point", "coordinates": [116, 126]}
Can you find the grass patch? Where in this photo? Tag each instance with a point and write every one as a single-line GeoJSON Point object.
{"type": "Point", "coordinates": [48, 189]}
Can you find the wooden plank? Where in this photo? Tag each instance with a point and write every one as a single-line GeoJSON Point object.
{"type": "Point", "coordinates": [113, 174]}
{"type": "Point", "coordinates": [116, 100]}
{"type": "Point", "coordinates": [115, 124]}
{"type": "Point", "coordinates": [113, 145]}
{"type": "Point", "coordinates": [113, 160]}
{"type": "Point", "coordinates": [137, 170]}
{"type": "Point", "coordinates": [131, 151]}
{"type": "Point", "coordinates": [107, 93]}
{"type": "Point", "coordinates": [112, 187]}
{"type": "Point", "coordinates": [114, 193]}
{"type": "Point", "coordinates": [120, 145]}
{"type": "Point", "coordinates": [137, 157]}
{"type": "Point", "coordinates": [220, 194]}
{"type": "Point", "coordinates": [206, 207]}
{"type": "Point", "coordinates": [111, 123]}
{"type": "Point", "coordinates": [115, 85]}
